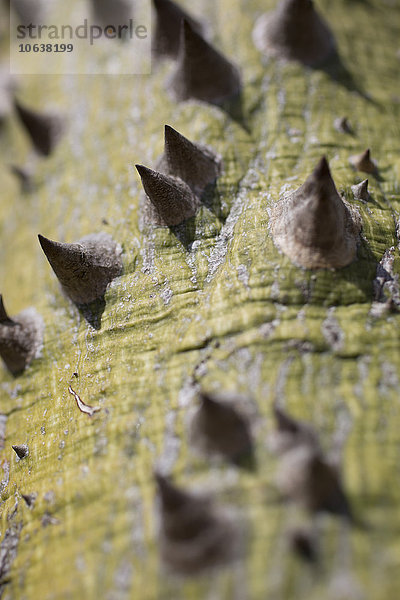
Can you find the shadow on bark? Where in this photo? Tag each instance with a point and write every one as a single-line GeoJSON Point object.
{"type": "Point", "coordinates": [93, 312]}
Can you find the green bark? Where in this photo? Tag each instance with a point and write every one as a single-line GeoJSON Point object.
{"type": "Point", "coordinates": [231, 309]}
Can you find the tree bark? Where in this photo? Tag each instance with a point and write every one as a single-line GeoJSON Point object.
{"type": "Point", "coordinates": [216, 306]}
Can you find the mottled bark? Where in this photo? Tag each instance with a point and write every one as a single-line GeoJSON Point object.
{"type": "Point", "coordinates": [211, 303]}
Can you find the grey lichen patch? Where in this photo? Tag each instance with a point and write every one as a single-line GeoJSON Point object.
{"type": "Point", "coordinates": [314, 226]}
{"type": "Point", "coordinates": [21, 338]}
{"type": "Point", "coordinates": [3, 423]}
{"type": "Point", "coordinates": [202, 72]}
{"type": "Point", "coordinates": [171, 201]}
{"type": "Point", "coordinates": [220, 427]}
{"type": "Point", "coordinates": [294, 31]}
{"type": "Point", "coordinates": [84, 268]}
{"type": "Point", "coordinates": [8, 552]}
{"type": "Point", "coordinates": [44, 129]}
{"type": "Point", "coordinates": [49, 519]}
{"type": "Point", "coordinates": [363, 162]}
{"type": "Point", "coordinates": [386, 282]}
{"type": "Point", "coordinates": [332, 332]}
{"type": "Point", "coordinates": [194, 534]}
{"type": "Point", "coordinates": [168, 19]}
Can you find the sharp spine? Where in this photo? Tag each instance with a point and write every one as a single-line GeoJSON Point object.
{"type": "Point", "coordinates": [44, 130]}
{"type": "Point", "coordinates": [21, 338]}
{"type": "Point", "coordinates": [202, 72]}
{"type": "Point", "coordinates": [294, 31]}
{"type": "Point", "coordinates": [219, 428]}
{"type": "Point", "coordinates": [194, 534]}
{"type": "Point", "coordinates": [21, 451]}
{"type": "Point", "coordinates": [360, 191]}
{"type": "Point", "coordinates": [167, 29]}
{"type": "Point", "coordinates": [314, 226]}
{"type": "Point", "coordinates": [172, 199]}
{"type": "Point", "coordinates": [363, 162]}
{"type": "Point", "coordinates": [84, 268]}
{"type": "Point", "coordinates": [195, 164]}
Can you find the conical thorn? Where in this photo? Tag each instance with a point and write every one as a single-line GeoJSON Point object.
{"type": "Point", "coordinates": [44, 130]}
{"type": "Point", "coordinates": [363, 162]}
{"type": "Point", "coordinates": [202, 72]}
{"type": "Point", "coordinates": [196, 165]}
{"type": "Point", "coordinates": [84, 268]}
{"type": "Point", "coordinates": [218, 427]}
{"type": "Point", "coordinates": [165, 40]}
{"type": "Point", "coordinates": [21, 451]}
{"type": "Point", "coordinates": [294, 31]}
{"type": "Point", "coordinates": [314, 226]}
{"type": "Point", "coordinates": [360, 191]}
{"type": "Point", "coordinates": [4, 318]}
{"type": "Point", "coordinates": [21, 338]}
{"type": "Point", "coordinates": [172, 199]}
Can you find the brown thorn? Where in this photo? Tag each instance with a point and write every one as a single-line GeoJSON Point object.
{"type": "Point", "coordinates": [172, 199]}
{"type": "Point", "coordinates": [202, 72]}
{"type": "Point", "coordinates": [169, 15]}
{"type": "Point", "coordinates": [84, 268]}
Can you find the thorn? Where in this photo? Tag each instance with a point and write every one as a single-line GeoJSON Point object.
{"type": "Point", "coordinates": [48, 519]}
{"type": "Point", "coordinates": [219, 428]}
{"type": "Point", "coordinates": [114, 14]}
{"type": "Point", "coordinates": [84, 268]}
{"type": "Point", "coordinates": [313, 225]}
{"type": "Point", "coordinates": [171, 197]}
{"type": "Point", "coordinates": [167, 29]}
{"type": "Point", "coordinates": [4, 318]}
{"type": "Point", "coordinates": [29, 499]}
{"type": "Point", "coordinates": [326, 493]}
{"type": "Point", "coordinates": [172, 497]}
{"type": "Point", "coordinates": [196, 165]}
{"type": "Point", "coordinates": [285, 422]}
{"type": "Point", "coordinates": [44, 130]}
{"type": "Point", "coordinates": [303, 543]}
{"type": "Point", "coordinates": [202, 71]}
{"type": "Point", "coordinates": [360, 191]}
{"type": "Point", "coordinates": [342, 125]}
{"type": "Point", "coordinates": [291, 433]}
{"type": "Point", "coordinates": [28, 11]}
{"type": "Point", "coordinates": [363, 162]}
{"type": "Point", "coordinates": [194, 534]}
{"type": "Point", "coordinates": [24, 177]}
{"type": "Point", "coordinates": [21, 451]}
{"type": "Point", "coordinates": [21, 338]}
{"type": "Point", "coordinates": [294, 31]}
{"type": "Point", "coordinates": [308, 479]}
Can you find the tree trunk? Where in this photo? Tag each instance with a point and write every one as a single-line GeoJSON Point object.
{"type": "Point", "coordinates": [213, 305]}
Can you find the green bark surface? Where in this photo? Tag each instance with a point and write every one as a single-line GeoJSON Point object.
{"type": "Point", "coordinates": [219, 301]}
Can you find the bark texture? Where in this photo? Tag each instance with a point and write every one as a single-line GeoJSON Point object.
{"type": "Point", "coordinates": [210, 303]}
